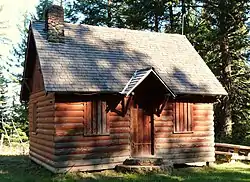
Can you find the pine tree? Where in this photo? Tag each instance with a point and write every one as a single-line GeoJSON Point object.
{"type": "Point", "coordinates": [150, 16]}
{"type": "Point", "coordinates": [96, 12]}
{"type": "Point", "coordinates": [18, 112]}
{"type": "Point", "coordinates": [41, 7]}
{"type": "Point", "coordinates": [3, 97]}
{"type": "Point", "coordinates": [3, 80]}
{"type": "Point", "coordinates": [224, 45]}
{"type": "Point", "coordinates": [19, 50]}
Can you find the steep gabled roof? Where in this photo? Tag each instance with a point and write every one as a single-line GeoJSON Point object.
{"type": "Point", "coordinates": [101, 59]}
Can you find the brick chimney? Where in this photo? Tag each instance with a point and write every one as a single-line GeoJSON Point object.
{"type": "Point", "coordinates": [54, 23]}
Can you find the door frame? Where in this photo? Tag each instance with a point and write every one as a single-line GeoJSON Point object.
{"type": "Point", "coordinates": [152, 122]}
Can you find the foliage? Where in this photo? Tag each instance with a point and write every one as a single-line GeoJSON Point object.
{"type": "Point", "coordinates": [18, 112]}
{"type": "Point", "coordinates": [97, 12]}
{"type": "Point", "coordinates": [3, 98]}
{"type": "Point", "coordinates": [3, 26]}
{"type": "Point", "coordinates": [40, 9]}
{"type": "Point", "coordinates": [222, 41]}
{"type": "Point", "coordinates": [19, 50]}
{"type": "Point", "coordinates": [157, 15]}
{"type": "Point", "coordinates": [153, 15]}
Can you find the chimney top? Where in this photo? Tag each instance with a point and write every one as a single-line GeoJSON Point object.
{"type": "Point", "coordinates": [54, 23]}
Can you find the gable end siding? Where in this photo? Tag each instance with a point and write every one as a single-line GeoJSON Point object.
{"type": "Point", "coordinates": [36, 81]}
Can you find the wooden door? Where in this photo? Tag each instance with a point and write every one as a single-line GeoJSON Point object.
{"type": "Point", "coordinates": [141, 143]}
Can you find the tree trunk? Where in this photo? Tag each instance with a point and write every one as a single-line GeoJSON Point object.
{"type": "Point", "coordinates": [183, 11]}
{"type": "Point", "coordinates": [226, 77]}
{"type": "Point", "coordinates": [156, 16]}
{"type": "Point", "coordinates": [226, 70]}
{"type": "Point", "coordinates": [156, 27]}
{"type": "Point", "coordinates": [109, 13]}
{"type": "Point", "coordinates": [171, 18]}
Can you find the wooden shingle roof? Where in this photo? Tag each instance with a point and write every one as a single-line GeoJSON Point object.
{"type": "Point", "coordinates": [102, 59]}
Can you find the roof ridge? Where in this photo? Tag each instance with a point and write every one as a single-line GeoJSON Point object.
{"type": "Point", "coordinates": [115, 28]}
{"type": "Point", "coordinates": [126, 29]}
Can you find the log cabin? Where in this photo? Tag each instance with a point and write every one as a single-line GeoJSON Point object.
{"type": "Point", "coordinates": [98, 96]}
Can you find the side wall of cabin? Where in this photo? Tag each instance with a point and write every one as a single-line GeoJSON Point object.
{"type": "Point", "coordinates": [41, 119]}
{"type": "Point", "coordinates": [76, 152]}
{"type": "Point", "coordinates": [196, 145]}
{"type": "Point", "coordinates": [41, 124]}
{"type": "Point", "coordinates": [58, 142]}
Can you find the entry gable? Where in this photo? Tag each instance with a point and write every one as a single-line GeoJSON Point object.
{"type": "Point", "coordinates": [138, 77]}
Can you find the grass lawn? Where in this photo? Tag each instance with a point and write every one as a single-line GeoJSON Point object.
{"type": "Point", "coordinates": [21, 169]}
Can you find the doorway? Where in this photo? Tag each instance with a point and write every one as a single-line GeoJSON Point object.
{"type": "Point", "coordinates": [142, 133]}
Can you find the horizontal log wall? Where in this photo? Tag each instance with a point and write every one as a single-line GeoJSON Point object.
{"type": "Point", "coordinates": [76, 151]}
{"type": "Point", "coordinates": [59, 142]}
{"type": "Point", "coordinates": [42, 145]}
{"type": "Point", "coordinates": [194, 146]}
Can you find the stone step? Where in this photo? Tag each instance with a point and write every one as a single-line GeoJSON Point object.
{"type": "Point", "coordinates": [143, 169]}
{"type": "Point", "coordinates": [144, 161]}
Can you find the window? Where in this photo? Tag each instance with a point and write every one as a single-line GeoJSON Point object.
{"type": "Point", "coordinates": [183, 117]}
{"type": "Point", "coordinates": [34, 117]}
{"type": "Point", "coordinates": [96, 122]}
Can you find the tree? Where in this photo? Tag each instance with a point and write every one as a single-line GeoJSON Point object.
{"type": "Point", "coordinates": [151, 16]}
{"type": "Point", "coordinates": [224, 47]}
{"type": "Point", "coordinates": [3, 26]}
{"type": "Point", "coordinates": [19, 50]}
{"type": "Point", "coordinates": [3, 80]}
{"type": "Point", "coordinates": [154, 15]}
{"type": "Point", "coordinates": [41, 7]}
{"type": "Point", "coordinates": [95, 12]}
{"type": "Point", "coordinates": [3, 98]}
{"type": "Point", "coordinates": [18, 112]}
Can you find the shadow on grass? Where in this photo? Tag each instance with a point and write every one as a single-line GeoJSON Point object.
{"type": "Point", "coordinates": [21, 169]}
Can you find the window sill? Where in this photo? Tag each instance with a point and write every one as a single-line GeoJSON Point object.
{"type": "Point", "coordinates": [183, 132]}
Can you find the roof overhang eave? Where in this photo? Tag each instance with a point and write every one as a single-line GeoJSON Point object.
{"type": "Point", "coordinates": [84, 92]}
